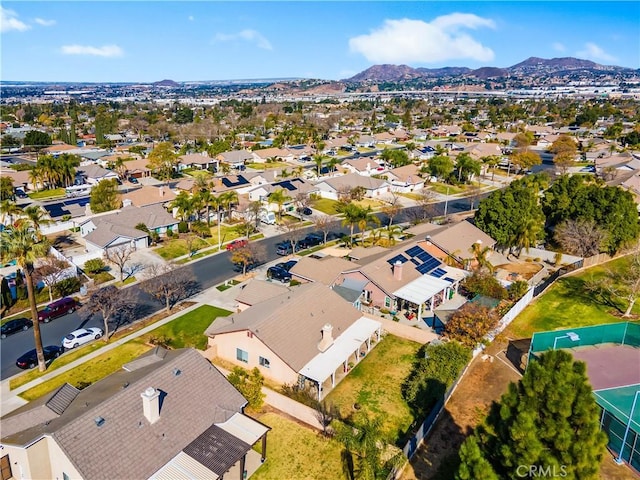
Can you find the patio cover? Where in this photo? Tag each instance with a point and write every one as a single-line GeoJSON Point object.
{"type": "Point", "coordinates": [246, 429]}
{"type": "Point", "coordinates": [422, 289]}
{"type": "Point", "coordinates": [323, 365]}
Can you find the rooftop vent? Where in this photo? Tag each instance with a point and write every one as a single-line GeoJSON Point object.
{"type": "Point", "coordinates": [177, 371]}
{"type": "Point", "coordinates": [99, 421]}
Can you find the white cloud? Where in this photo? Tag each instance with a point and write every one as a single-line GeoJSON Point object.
{"type": "Point", "coordinates": [594, 52]}
{"type": "Point", "coordinates": [416, 41]}
{"type": "Point", "coordinates": [104, 51]}
{"type": "Point", "coordinates": [252, 36]}
{"type": "Point", "coordinates": [558, 47]}
{"type": "Point", "coordinates": [45, 23]}
{"type": "Point", "coordinates": [9, 21]}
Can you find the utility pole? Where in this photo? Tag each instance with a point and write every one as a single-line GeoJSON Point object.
{"type": "Point", "coordinates": [446, 204]}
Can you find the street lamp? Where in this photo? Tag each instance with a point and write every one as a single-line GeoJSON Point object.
{"type": "Point", "coordinates": [619, 460]}
{"type": "Point", "coordinates": [574, 337]}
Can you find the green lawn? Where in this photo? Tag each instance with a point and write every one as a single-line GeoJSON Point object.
{"type": "Point", "coordinates": [56, 192]}
{"type": "Point", "coordinates": [567, 304]}
{"type": "Point", "coordinates": [297, 453]}
{"type": "Point", "coordinates": [375, 384]}
{"type": "Point", "coordinates": [326, 205]}
{"type": "Point", "coordinates": [188, 330]}
{"type": "Point", "coordinates": [267, 166]}
{"type": "Point", "coordinates": [444, 187]}
{"type": "Point", "coordinates": [91, 371]}
{"type": "Point", "coordinates": [176, 247]}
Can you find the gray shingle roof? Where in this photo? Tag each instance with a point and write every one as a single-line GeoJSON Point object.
{"type": "Point", "coordinates": [126, 445]}
{"type": "Point", "coordinates": [258, 291]}
{"type": "Point", "coordinates": [290, 324]}
{"type": "Point", "coordinates": [324, 270]}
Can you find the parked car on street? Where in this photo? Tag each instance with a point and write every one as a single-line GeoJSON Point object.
{"type": "Point", "coordinates": [15, 325]}
{"type": "Point", "coordinates": [57, 309]}
{"type": "Point", "coordinates": [311, 240]}
{"type": "Point", "coordinates": [30, 359]}
{"type": "Point", "coordinates": [305, 211]}
{"type": "Point", "coordinates": [278, 273]}
{"type": "Point", "coordinates": [133, 180]}
{"type": "Point", "coordinates": [237, 243]}
{"type": "Point", "coordinates": [286, 248]}
{"type": "Point", "coordinates": [81, 336]}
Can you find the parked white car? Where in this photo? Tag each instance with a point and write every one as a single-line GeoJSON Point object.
{"type": "Point", "coordinates": [81, 336]}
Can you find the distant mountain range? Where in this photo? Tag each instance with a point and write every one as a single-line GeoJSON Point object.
{"type": "Point", "coordinates": [532, 66]}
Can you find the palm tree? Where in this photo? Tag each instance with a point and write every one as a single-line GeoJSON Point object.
{"type": "Point", "coordinates": [351, 215]}
{"type": "Point", "coordinates": [366, 217]}
{"type": "Point", "coordinates": [184, 204]}
{"type": "Point", "coordinates": [364, 445]}
{"type": "Point", "coordinates": [528, 234]}
{"type": "Point", "coordinates": [22, 242]}
{"type": "Point", "coordinates": [279, 197]}
{"type": "Point", "coordinates": [392, 231]}
{"type": "Point", "coordinates": [229, 199]}
{"type": "Point", "coordinates": [37, 216]}
{"type": "Point", "coordinates": [206, 201]}
{"type": "Point", "coordinates": [36, 177]}
{"type": "Point", "coordinates": [480, 254]}
{"type": "Point", "coordinates": [8, 211]}
{"type": "Point", "coordinates": [318, 161]}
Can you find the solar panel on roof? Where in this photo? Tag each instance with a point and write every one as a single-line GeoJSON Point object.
{"type": "Point", "coordinates": [398, 258]}
{"type": "Point", "coordinates": [413, 251]}
{"type": "Point", "coordinates": [424, 256]}
{"type": "Point", "coordinates": [428, 265]}
{"type": "Point", "coordinates": [449, 279]}
{"type": "Point", "coordinates": [438, 272]}
{"type": "Point", "coordinates": [416, 261]}
{"type": "Point", "coordinates": [228, 183]}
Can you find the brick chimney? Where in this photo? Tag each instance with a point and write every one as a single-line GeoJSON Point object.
{"type": "Point", "coordinates": [327, 337]}
{"type": "Point", "coordinates": [151, 404]}
{"type": "Point", "coordinates": [161, 191]}
{"type": "Point", "coordinates": [397, 270]}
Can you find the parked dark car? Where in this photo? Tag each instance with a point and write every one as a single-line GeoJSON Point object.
{"type": "Point", "coordinates": [57, 309]}
{"type": "Point", "coordinates": [305, 211]}
{"type": "Point", "coordinates": [238, 267]}
{"type": "Point", "coordinates": [278, 273]}
{"type": "Point", "coordinates": [15, 325]}
{"type": "Point", "coordinates": [287, 265]}
{"type": "Point", "coordinates": [311, 240]}
{"type": "Point", "coordinates": [30, 359]}
{"type": "Point", "coordinates": [133, 179]}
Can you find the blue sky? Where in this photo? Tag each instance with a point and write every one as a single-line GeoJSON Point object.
{"type": "Point", "coordinates": [146, 41]}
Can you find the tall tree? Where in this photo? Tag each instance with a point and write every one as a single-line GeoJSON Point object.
{"type": "Point", "coordinates": [111, 303]}
{"type": "Point", "coordinates": [104, 197]}
{"type": "Point", "coordinates": [50, 271]}
{"type": "Point", "coordinates": [22, 242]}
{"type": "Point", "coordinates": [279, 197]}
{"type": "Point", "coordinates": [170, 283]}
{"type": "Point", "coordinates": [120, 256]}
{"type": "Point", "coordinates": [6, 188]}
{"type": "Point", "coordinates": [163, 160]}
{"type": "Point", "coordinates": [351, 215]}
{"type": "Point", "coordinates": [549, 419]}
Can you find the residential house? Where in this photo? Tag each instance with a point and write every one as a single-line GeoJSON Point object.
{"type": "Point", "coordinates": [384, 137]}
{"type": "Point", "coordinates": [478, 151]}
{"type": "Point", "coordinates": [148, 195]}
{"type": "Point", "coordinates": [506, 138]}
{"type": "Point", "coordinates": [334, 144]}
{"type": "Point", "coordinates": [115, 229]}
{"type": "Point", "coordinates": [235, 158]}
{"type": "Point", "coordinates": [20, 178]}
{"type": "Point", "coordinates": [138, 168]}
{"type": "Point", "coordinates": [264, 154]}
{"type": "Point", "coordinates": [334, 186]}
{"type": "Point", "coordinates": [400, 134]}
{"type": "Point", "coordinates": [58, 148]}
{"type": "Point", "coordinates": [293, 188]}
{"type": "Point", "coordinates": [457, 240]}
{"type": "Point", "coordinates": [406, 278]}
{"type": "Point", "coordinates": [367, 141]}
{"type": "Point", "coordinates": [446, 131]}
{"type": "Point", "coordinates": [306, 335]}
{"type": "Point", "coordinates": [324, 270]}
{"type": "Point", "coordinates": [405, 179]}
{"type": "Point", "coordinates": [166, 414]}
{"type": "Point", "coordinates": [94, 174]}
{"type": "Point", "coordinates": [200, 161]}
{"type": "Point", "coordinates": [257, 291]}
{"type": "Point", "coordinates": [366, 166]}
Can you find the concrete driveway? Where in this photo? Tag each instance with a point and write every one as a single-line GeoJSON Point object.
{"type": "Point", "coordinates": [145, 258]}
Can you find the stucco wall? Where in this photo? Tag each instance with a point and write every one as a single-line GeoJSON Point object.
{"type": "Point", "coordinates": [377, 295]}
{"type": "Point", "coordinates": [227, 343]}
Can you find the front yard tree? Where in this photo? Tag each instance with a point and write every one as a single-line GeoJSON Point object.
{"type": "Point", "coordinates": [525, 159]}
{"type": "Point", "coordinates": [549, 420]}
{"type": "Point", "coordinates": [120, 257]}
{"type": "Point", "coordinates": [440, 167]}
{"type": "Point", "coordinates": [470, 323]}
{"type": "Point", "coordinates": [104, 196]}
{"type": "Point", "coordinates": [163, 160]}
{"type": "Point", "coordinates": [279, 197]}
{"type": "Point", "coordinates": [249, 384]}
{"type": "Point", "coordinates": [110, 302]}
{"type": "Point", "coordinates": [169, 283]}
{"type": "Point", "coordinates": [324, 224]}
{"type": "Point", "coordinates": [22, 242]}
{"type": "Point", "coordinates": [50, 271]}
{"type": "Point", "coordinates": [245, 256]}
{"type": "Point", "coordinates": [6, 188]}
{"type": "Point", "coordinates": [624, 282]}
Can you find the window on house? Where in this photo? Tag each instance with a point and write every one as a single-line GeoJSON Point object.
{"type": "Point", "coordinates": [264, 362]}
{"type": "Point", "coordinates": [5, 468]}
{"type": "Point", "coordinates": [242, 355]}
{"type": "Point", "coordinates": [387, 302]}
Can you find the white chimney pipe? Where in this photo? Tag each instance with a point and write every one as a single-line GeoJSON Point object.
{"type": "Point", "coordinates": [151, 404]}
{"type": "Point", "coordinates": [327, 337]}
{"type": "Point", "coordinates": [397, 270]}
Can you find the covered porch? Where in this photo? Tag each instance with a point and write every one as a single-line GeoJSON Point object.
{"type": "Point", "coordinates": [330, 366]}
{"type": "Point", "coordinates": [422, 296]}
